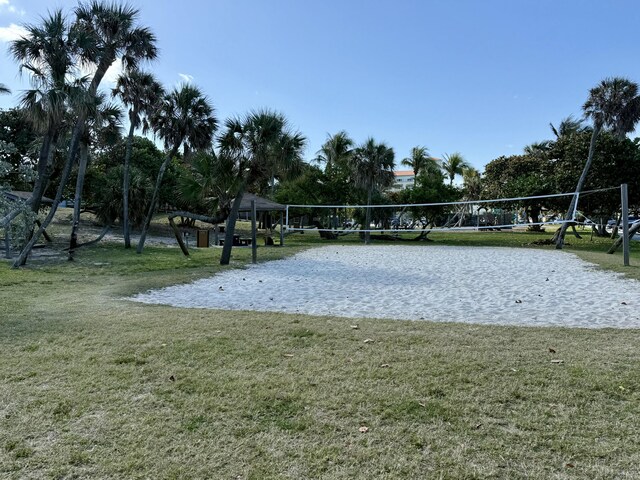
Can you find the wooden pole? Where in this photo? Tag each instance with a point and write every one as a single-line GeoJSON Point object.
{"type": "Point", "coordinates": [254, 243]}
{"type": "Point", "coordinates": [7, 241]}
{"type": "Point", "coordinates": [625, 222]}
{"type": "Point", "coordinates": [281, 229]}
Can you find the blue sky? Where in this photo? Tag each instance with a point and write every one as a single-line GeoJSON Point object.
{"type": "Point", "coordinates": [484, 78]}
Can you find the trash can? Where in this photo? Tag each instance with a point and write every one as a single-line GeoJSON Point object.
{"type": "Point", "coordinates": [202, 240]}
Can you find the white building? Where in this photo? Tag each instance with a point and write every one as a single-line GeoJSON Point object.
{"type": "Point", "coordinates": [403, 179]}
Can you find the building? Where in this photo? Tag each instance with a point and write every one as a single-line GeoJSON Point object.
{"type": "Point", "coordinates": [403, 179]}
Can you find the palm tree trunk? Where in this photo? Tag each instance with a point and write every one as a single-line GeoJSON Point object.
{"type": "Point", "coordinates": [26, 250]}
{"type": "Point", "coordinates": [225, 258]}
{"type": "Point", "coordinates": [632, 231]}
{"type": "Point", "coordinates": [126, 182]}
{"type": "Point", "coordinates": [82, 168]}
{"type": "Point", "coordinates": [44, 159]}
{"type": "Point", "coordinates": [569, 216]}
{"type": "Point", "coordinates": [367, 221]}
{"type": "Point", "coordinates": [154, 198]}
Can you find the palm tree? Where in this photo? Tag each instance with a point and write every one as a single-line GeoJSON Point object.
{"type": "Point", "coordinates": [472, 183]}
{"type": "Point", "coordinates": [261, 143]}
{"type": "Point", "coordinates": [48, 53]}
{"type": "Point", "coordinates": [613, 104]}
{"type": "Point", "coordinates": [453, 165]}
{"type": "Point", "coordinates": [336, 151]}
{"type": "Point", "coordinates": [184, 116]}
{"type": "Point", "coordinates": [104, 121]}
{"type": "Point", "coordinates": [141, 92]}
{"type": "Point", "coordinates": [567, 126]}
{"type": "Point", "coordinates": [4, 89]}
{"type": "Point", "coordinates": [372, 168]}
{"type": "Point", "coordinates": [419, 161]}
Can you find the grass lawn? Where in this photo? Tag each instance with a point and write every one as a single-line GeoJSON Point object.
{"type": "Point", "coordinates": [95, 386]}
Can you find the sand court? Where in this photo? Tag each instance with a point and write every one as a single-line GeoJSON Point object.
{"type": "Point", "coordinates": [486, 285]}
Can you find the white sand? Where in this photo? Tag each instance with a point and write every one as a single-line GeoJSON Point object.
{"type": "Point", "coordinates": [461, 284]}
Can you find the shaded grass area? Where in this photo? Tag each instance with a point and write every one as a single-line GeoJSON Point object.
{"type": "Point", "coordinates": [95, 386]}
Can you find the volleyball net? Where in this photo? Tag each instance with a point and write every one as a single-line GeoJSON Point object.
{"type": "Point", "coordinates": [532, 212]}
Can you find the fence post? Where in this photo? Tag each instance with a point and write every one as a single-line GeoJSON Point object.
{"type": "Point", "coordinates": [254, 243]}
{"type": "Point", "coordinates": [625, 223]}
{"type": "Point", "coordinates": [281, 229]}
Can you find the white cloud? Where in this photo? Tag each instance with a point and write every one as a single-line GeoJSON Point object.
{"type": "Point", "coordinates": [6, 5]}
{"type": "Point", "coordinates": [12, 32]}
{"type": "Point", "coordinates": [186, 78]}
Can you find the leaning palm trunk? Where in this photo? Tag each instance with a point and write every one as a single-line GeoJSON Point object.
{"type": "Point", "coordinates": [24, 254]}
{"type": "Point", "coordinates": [154, 198]}
{"type": "Point", "coordinates": [574, 200]}
{"type": "Point", "coordinates": [225, 258]}
{"type": "Point", "coordinates": [632, 231]}
{"type": "Point", "coordinates": [126, 182]}
{"type": "Point", "coordinates": [82, 168]}
{"type": "Point", "coordinates": [45, 160]}
{"type": "Point", "coordinates": [194, 216]}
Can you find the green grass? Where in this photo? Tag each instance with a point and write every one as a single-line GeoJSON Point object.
{"type": "Point", "coordinates": [95, 386]}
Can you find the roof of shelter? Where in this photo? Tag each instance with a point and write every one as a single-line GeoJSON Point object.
{"type": "Point", "coordinates": [262, 204]}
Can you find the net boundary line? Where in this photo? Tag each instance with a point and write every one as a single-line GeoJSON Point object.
{"type": "Point", "coordinates": [460, 202]}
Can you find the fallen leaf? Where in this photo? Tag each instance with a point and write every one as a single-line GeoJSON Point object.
{"type": "Point", "coordinates": [172, 378]}
{"type": "Point", "coordinates": [363, 429]}
{"type": "Point", "coordinates": [514, 370]}
{"type": "Point", "coordinates": [422, 404]}
{"type": "Point", "coordinates": [570, 465]}
{"type": "Point", "coordinates": [551, 350]}
{"type": "Point", "coordinates": [288, 355]}
{"type": "Point", "coordinates": [368, 340]}
{"type": "Point", "coordinates": [621, 387]}
{"type": "Point", "coordinates": [477, 426]}
{"type": "Point", "coordinates": [557, 361]}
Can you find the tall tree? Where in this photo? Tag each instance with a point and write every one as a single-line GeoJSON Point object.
{"type": "Point", "coordinates": [419, 161]}
{"type": "Point", "coordinates": [185, 116]}
{"type": "Point", "coordinates": [614, 105]}
{"type": "Point", "coordinates": [141, 92]}
{"type": "Point", "coordinates": [454, 164]}
{"type": "Point", "coordinates": [372, 168]}
{"type": "Point", "coordinates": [261, 143]}
{"type": "Point", "coordinates": [336, 151]}
{"type": "Point", "coordinates": [105, 122]}
{"type": "Point", "coordinates": [48, 53]}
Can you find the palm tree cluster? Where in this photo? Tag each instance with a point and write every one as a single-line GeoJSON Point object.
{"type": "Point", "coordinates": [72, 115]}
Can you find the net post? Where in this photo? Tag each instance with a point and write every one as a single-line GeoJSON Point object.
{"type": "Point", "coordinates": [254, 243]}
{"type": "Point", "coordinates": [281, 229]}
{"type": "Point", "coordinates": [624, 195]}
{"type": "Point", "coordinates": [286, 218]}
